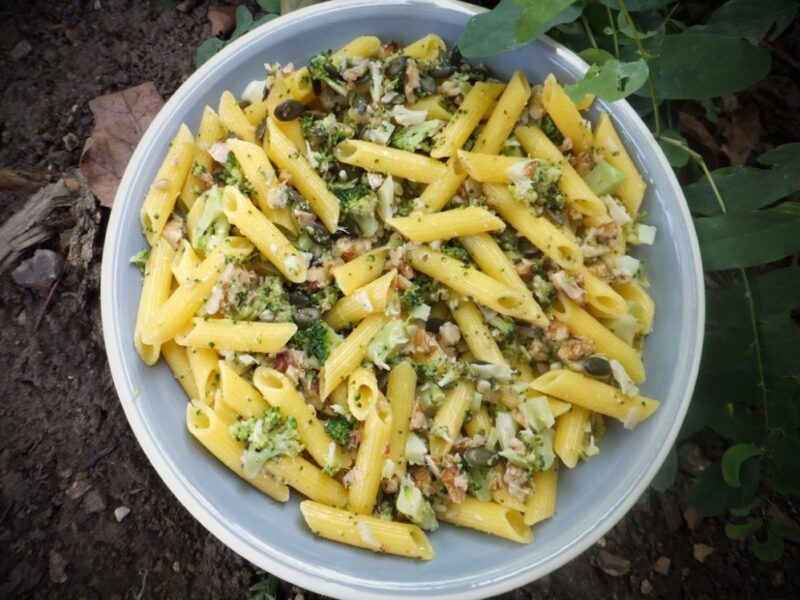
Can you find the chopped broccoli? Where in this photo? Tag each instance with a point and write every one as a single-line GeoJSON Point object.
{"type": "Point", "coordinates": [549, 128]}
{"type": "Point", "coordinates": [359, 203]}
{"type": "Point", "coordinates": [539, 455]}
{"type": "Point", "coordinates": [318, 339]}
{"type": "Point", "coordinates": [415, 450]}
{"type": "Point", "coordinates": [405, 207]}
{"type": "Point", "coordinates": [507, 328]}
{"type": "Point", "coordinates": [212, 226]}
{"type": "Point", "coordinates": [537, 413]}
{"type": "Point", "coordinates": [339, 428]}
{"type": "Point", "coordinates": [198, 169]}
{"type": "Point", "coordinates": [325, 298]}
{"type": "Point", "coordinates": [478, 483]}
{"type": "Point", "coordinates": [416, 137]}
{"type": "Point", "coordinates": [535, 182]}
{"type": "Point", "coordinates": [232, 174]}
{"type": "Point", "coordinates": [266, 438]}
{"type": "Point", "coordinates": [387, 342]}
{"type": "Point", "coordinates": [456, 250]}
{"type": "Point", "coordinates": [320, 67]}
{"type": "Point", "coordinates": [544, 290]}
{"type": "Point", "coordinates": [139, 260]}
{"type": "Point", "coordinates": [423, 290]}
{"type": "Point", "coordinates": [268, 302]}
{"type": "Point", "coordinates": [431, 397]}
{"type": "Point", "coordinates": [323, 135]}
{"type": "Point", "coordinates": [413, 505]}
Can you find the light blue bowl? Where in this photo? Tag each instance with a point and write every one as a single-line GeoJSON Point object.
{"type": "Point", "coordinates": [591, 498]}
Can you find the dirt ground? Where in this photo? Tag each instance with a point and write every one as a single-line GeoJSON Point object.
{"type": "Point", "coordinates": [67, 456]}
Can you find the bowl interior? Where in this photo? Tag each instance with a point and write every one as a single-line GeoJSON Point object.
{"type": "Point", "coordinates": [591, 498]}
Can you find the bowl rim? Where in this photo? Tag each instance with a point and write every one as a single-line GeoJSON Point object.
{"type": "Point", "coordinates": [211, 520]}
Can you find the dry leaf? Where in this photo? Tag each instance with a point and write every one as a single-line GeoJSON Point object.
{"type": "Point", "coordinates": [693, 128]}
{"type": "Point", "coordinates": [120, 120]}
{"type": "Point", "coordinates": [222, 19]}
{"type": "Point", "coordinates": [741, 133]}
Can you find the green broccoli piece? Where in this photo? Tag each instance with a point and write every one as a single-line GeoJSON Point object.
{"type": "Point", "coordinates": [405, 207]}
{"type": "Point", "coordinates": [198, 169]}
{"type": "Point", "coordinates": [455, 250]}
{"type": "Point", "coordinates": [359, 203]}
{"type": "Point", "coordinates": [387, 342]}
{"type": "Point", "coordinates": [431, 397]}
{"type": "Point", "coordinates": [544, 290]}
{"type": "Point", "coordinates": [507, 328]}
{"type": "Point", "coordinates": [478, 483]}
{"type": "Point", "coordinates": [318, 339]}
{"type": "Point", "coordinates": [549, 128]}
{"type": "Point", "coordinates": [318, 71]}
{"type": "Point", "coordinates": [540, 190]}
{"type": "Point", "coordinates": [212, 226]}
{"type": "Point", "coordinates": [416, 137]}
{"type": "Point", "coordinates": [232, 174]}
{"type": "Point", "coordinates": [539, 455]}
{"type": "Point", "coordinates": [266, 438]}
{"type": "Point", "coordinates": [339, 428]}
{"type": "Point", "coordinates": [423, 290]}
{"type": "Point", "coordinates": [139, 260]}
{"type": "Point", "coordinates": [268, 302]}
{"type": "Point", "coordinates": [413, 505]}
{"type": "Point", "coordinates": [325, 298]}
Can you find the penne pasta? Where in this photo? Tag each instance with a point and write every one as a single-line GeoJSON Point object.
{"type": "Point", "coordinates": [370, 298]}
{"type": "Point", "coordinates": [570, 435]}
{"type": "Point", "coordinates": [566, 116]}
{"type": "Point", "coordinates": [241, 396]}
{"type": "Point", "coordinates": [400, 392]}
{"type": "Point", "coordinates": [422, 228]}
{"type": "Point", "coordinates": [607, 142]}
{"type": "Point", "coordinates": [541, 504]}
{"type": "Point", "coordinates": [488, 517]}
{"type": "Point", "coordinates": [640, 304]}
{"type": "Point", "coordinates": [501, 122]}
{"type": "Point", "coordinates": [476, 333]}
{"type": "Point", "coordinates": [178, 362]}
{"type": "Point", "coordinates": [155, 291]}
{"type": "Point", "coordinates": [446, 426]}
{"type": "Point", "coordinates": [474, 107]}
{"type": "Point", "coordinates": [383, 159]}
{"type": "Point", "coordinates": [358, 272]}
{"type": "Point", "coordinates": [209, 132]}
{"type": "Point", "coordinates": [434, 105]}
{"type": "Point", "coordinates": [204, 366]}
{"type": "Point", "coordinates": [237, 336]}
{"type": "Point", "coordinates": [372, 452]}
{"type": "Point", "coordinates": [234, 119]}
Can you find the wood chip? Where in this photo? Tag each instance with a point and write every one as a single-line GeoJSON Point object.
{"type": "Point", "coordinates": [701, 552]}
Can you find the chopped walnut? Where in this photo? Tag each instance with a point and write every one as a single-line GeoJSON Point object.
{"type": "Point", "coordinates": [388, 49]}
{"type": "Point", "coordinates": [304, 218]}
{"type": "Point", "coordinates": [421, 341]}
{"type": "Point", "coordinates": [419, 419]}
{"type": "Point", "coordinates": [602, 270]}
{"type": "Point", "coordinates": [423, 480]}
{"type": "Point", "coordinates": [566, 145]}
{"type": "Point", "coordinates": [569, 285]}
{"type": "Point", "coordinates": [517, 482]}
{"type": "Point", "coordinates": [318, 277]}
{"type": "Point", "coordinates": [538, 351]}
{"type": "Point", "coordinates": [401, 283]}
{"type": "Point", "coordinates": [535, 105]}
{"type": "Point", "coordinates": [607, 232]}
{"type": "Point", "coordinates": [397, 260]}
{"type": "Point", "coordinates": [390, 486]}
{"type": "Point", "coordinates": [524, 268]}
{"type": "Point", "coordinates": [583, 163]}
{"type": "Point", "coordinates": [173, 232]}
{"type": "Point", "coordinates": [575, 349]}
{"type": "Point", "coordinates": [356, 71]}
{"type": "Point", "coordinates": [449, 334]}
{"type": "Point", "coordinates": [285, 176]}
{"type": "Point", "coordinates": [557, 331]}
{"type": "Point", "coordinates": [455, 482]}
{"type": "Point", "coordinates": [349, 248]}
{"type": "Point", "coordinates": [412, 82]}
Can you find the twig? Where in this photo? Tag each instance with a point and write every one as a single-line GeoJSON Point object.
{"type": "Point", "coordinates": [47, 300]}
{"type": "Point", "coordinates": [645, 55]}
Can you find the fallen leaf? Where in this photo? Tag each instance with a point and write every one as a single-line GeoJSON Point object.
{"type": "Point", "coordinates": [120, 120]}
{"type": "Point", "coordinates": [222, 19]}
{"type": "Point", "coordinates": [741, 133]}
{"type": "Point", "coordinates": [694, 128]}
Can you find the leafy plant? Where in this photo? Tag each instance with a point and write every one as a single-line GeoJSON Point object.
{"type": "Point", "coordinates": [244, 24]}
{"type": "Point", "coordinates": [748, 226]}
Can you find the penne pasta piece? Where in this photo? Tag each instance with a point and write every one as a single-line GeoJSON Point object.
{"type": "Point", "coordinates": [610, 147]}
{"type": "Point", "coordinates": [640, 304]}
{"type": "Point", "coordinates": [508, 110]}
{"type": "Point", "coordinates": [480, 423]}
{"type": "Point", "coordinates": [368, 299]}
{"type": "Point", "coordinates": [372, 533]}
{"type": "Point", "coordinates": [503, 497]}
{"type": "Point", "coordinates": [446, 425]}
{"type": "Point", "coordinates": [476, 104]}
{"type": "Point", "coordinates": [595, 395]}
{"type": "Point", "coordinates": [422, 228]}
{"type": "Point", "coordinates": [185, 262]}
{"type": "Point", "coordinates": [237, 336]}
{"type": "Point", "coordinates": [601, 299]}
{"type": "Point", "coordinates": [476, 333]}
{"type": "Point", "coordinates": [234, 119]}
{"type": "Point", "coordinates": [178, 362]}
{"type": "Point", "coordinates": [307, 479]}
{"type": "Point", "coordinates": [241, 396]}
{"type": "Point", "coordinates": [426, 48]}
{"type": "Point", "coordinates": [383, 159]}
{"type": "Point", "coordinates": [566, 116]}
{"type": "Point", "coordinates": [278, 94]}
{"type": "Point", "coordinates": [155, 291]}
{"type": "Point", "coordinates": [209, 132]}
{"type": "Point", "coordinates": [372, 452]}
{"type": "Point", "coordinates": [435, 106]}
{"type": "Point", "coordinates": [358, 272]}
{"type": "Point", "coordinates": [488, 517]}
{"type": "Point", "coordinates": [571, 428]}
{"type": "Point", "coordinates": [441, 191]}
{"type": "Point", "coordinates": [488, 168]}
{"type": "Point", "coordinates": [204, 364]}
{"type": "Point", "coordinates": [541, 504]}
{"type": "Point", "coordinates": [362, 392]}
{"type": "Point", "coordinates": [400, 392]}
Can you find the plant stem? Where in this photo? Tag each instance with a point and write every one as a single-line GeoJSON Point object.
{"type": "Point", "coordinates": [588, 31]}
{"type": "Point", "coordinates": [613, 31]}
{"type": "Point", "coordinates": [645, 55]}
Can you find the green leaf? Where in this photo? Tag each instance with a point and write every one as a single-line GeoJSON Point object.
{"type": "Point", "coordinates": [747, 238]}
{"type": "Point", "coordinates": [667, 473]}
{"type": "Point", "coordinates": [288, 6]}
{"type": "Point", "coordinates": [677, 157]}
{"type": "Point", "coordinates": [611, 81]}
{"type": "Point", "coordinates": [771, 549]}
{"type": "Point", "coordinates": [244, 22]}
{"type": "Point", "coordinates": [785, 454]}
{"type": "Point", "coordinates": [742, 530]}
{"type": "Point", "coordinates": [747, 508]}
{"type": "Point", "coordinates": [270, 6]}
{"type": "Point", "coordinates": [538, 16]}
{"type": "Point", "coordinates": [636, 5]}
{"type": "Point", "coordinates": [734, 458]}
{"type": "Point", "coordinates": [648, 24]}
{"type": "Point", "coordinates": [711, 496]}
{"type": "Point", "coordinates": [752, 19]}
{"type": "Point", "coordinates": [747, 188]}
{"type": "Point", "coordinates": [262, 20]}
{"type": "Point", "coordinates": [695, 65]}
{"type": "Point", "coordinates": [208, 49]}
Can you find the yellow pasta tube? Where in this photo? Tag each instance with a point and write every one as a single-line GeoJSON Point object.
{"type": "Point", "coordinates": [204, 364]}
{"type": "Point", "coordinates": [610, 147]}
{"type": "Point", "coordinates": [581, 323]}
{"type": "Point", "coordinates": [238, 336]}
{"type": "Point", "coordinates": [426, 48]}
{"type": "Point", "coordinates": [372, 533]}
{"type": "Point", "coordinates": [240, 395]}
{"type": "Point", "coordinates": [488, 517]}
{"type": "Point", "coordinates": [362, 392]}
{"type": "Point", "coordinates": [503, 497]}
{"type": "Point", "coordinates": [345, 357]}
{"type": "Point", "coordinates": [641, 305]}
{"type": "Point", "coordinates": [359, 271]}
{"type": "Point", "coordinates": [383, 159]}
{"type": "Point", "coordinates": [446, 426]}
{"type": "Point", "coordinates": [185, 262]}
{"type": "Point", "coordinates": [467, 281]}
{"type": "Point", "coordinates": [234, 119]}
{"type": "Point", "coordinates": [476, 333]}
{"type": "Point", "coordinates": [185, 301]}
{"type": "Point", "coordinates": [541, 504]}
{"type": "Point", "coordinates": [155, 291]}
{"type": "Point", "coordinates": [210, 131]}
{"type": "Point", "coordinates": [213, 433]}
{"type": "Point", "coordinates": [265, 236]}
{"type": "Point", "coordinates": [421, 228]}
{"type": "Point", "coordinates": [400, 391]}
{"type": "Point", "coordinates": [371, 298]}
{"type": "Point", "coordinates": [372, 452]}
{"type": "Point", "coordinates": [286, 155]}
{"type": "Point", "coordinates": [509, 107]}
{"type": "Point", "coordinates": [480, 423]}
{"type": "Point", "coordinates": [434, 105]}
{"type": "Point", "coordinates": [578, 194]}
{"type": "Point", "coordinates": [279, 391]}
{"type": "Point", "coordinates": [566, 116]}
{"type": "Point", "coordinates": [441, 191]}
{"type": "Point", "coordinates": [307, 479]}
{"type": "Point", "coordinates": [178, 362]}
{"type": "Point", "coordinates": [595, 395]}
{"type": "Point", "coordinates": [488, 168]}
{"type": "Point", "coordinates": [277, 94]}
{"type": "Point", "coordinates": [476, 104]}
{"type": "Point", "coordinates": [602, 300]}
{"type": "Point", "coordinates": [538, 230]}
{"type": "Point", "coordinates": [161, 196]}
{"type": "Point", "coordinates": [570, 435]}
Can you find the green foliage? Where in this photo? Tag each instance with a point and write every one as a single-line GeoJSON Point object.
{"type": "Point", "coordinates": [610, 79]}
{"type": "Point", "coordinates": [266, 589]}
{"type": "Point", "coordinates": [752, 19]}
{"type": "Point", "coordinates": [244, 24]}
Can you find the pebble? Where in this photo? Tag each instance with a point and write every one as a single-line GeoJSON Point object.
{"type": "Point", "coordinates": [613, 565]}
{"type": "Point", "coordinates": [40, 271]}
{"type": "Point", "coordinates": [671, 512]}
{"type": "Point", "coordinates": [94, 502]}
{"type": "Point", "coordinates": [662, 565]}
{"type": "Point", "coordinates": [701, 552]}
{"type": "Point", "coordinates": [121, 512]}
{"type": "Point", "coordinates": [71, 141]}
{"type": "Point", "coordinates": [691, 459]}
{"type": "Point", "coordinates": [58, 567]}
{"type": "Point", "coordinates": [22, 48]}
{"type": "Point", "coordinates": [176, 566]}
{"type": "Point", "coordinates": [646, 587]}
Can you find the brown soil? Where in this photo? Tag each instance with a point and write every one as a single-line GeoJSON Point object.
{"type": "Point", "coordinates": [67, 456]}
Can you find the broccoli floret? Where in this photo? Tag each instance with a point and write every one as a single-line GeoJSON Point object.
{"type": "Point", "coordinates": [507, 328]}
{"type": "Point", "coordinates": [268, 302]}
{"type": "Point", "coordinates": [416, 137]}
{"type": "Point", "coordinates": [423, 290]}
{"type": "Point", "coordinates": [413, 505]}
{"type": "Point", "coordinates": [318, 339]}
{"type": "Point", "coordinates": [536, 184]}
{"type": "Point", "coordinates": [359, 203]}
{"type": "Point", "coordinates": [325, 298]}
{"type": "Point", "coordinates": [455, 250]}
{"type": "Point", "coordinates": [139, 260]}
{"type": "Point", "coordinates": [478, 483]}
{"type": "Point", "coordinates": [544, 290]}
{"type": "Point", "coordinates": [266, 438]}
{"type": "Point", "coordinates": [232, 174]}
{"type": "Point", "coordinates": [387, 342]}
{"type": "Point", "coordinates": [539, 455]}
{"type": "Point", "coordinates": [549, 128]}
{"type": "Point", "coordinates": [431, 397]}
{"type": "Point", "coordinates": [212, 226]}
{"type": "Point", "coordinates": [339, 428]}
{"type": "Point", "coordinates": [318, 71]}
{"type": "Point", "coordinates": [323, 135]}
{"type": "Point", "coordinates": [198, 169]}
{"type": "Point", "coordinates": [405, 207]}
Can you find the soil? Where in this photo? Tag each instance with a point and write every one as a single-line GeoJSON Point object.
{"type": "Point", "coordinates": [68, 459]}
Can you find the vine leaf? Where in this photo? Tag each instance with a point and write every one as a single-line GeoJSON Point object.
{"type": "Point", "coordinates": [610, 80]}
{"type": "Point", "coordinates": [752, 19]}
{"type": "Point", "coordinates": [696, 65]}
{"type": "Point", "coordinates": [734, 458]}
{"type": "Point", "coordinates": [787, 477]}
{"type": "Point", "coordinates": [270, 6]}
{"type": "Point", "coordinates": [636, 5]}
{"type": "Point", "coordinates": [711, 496]}
{"type": "Point", "coordinates": [538, 16]}
{"type": "Point", "coordinates": [742, 530]}
{"type": "Point", "coordinates": [770, 549]}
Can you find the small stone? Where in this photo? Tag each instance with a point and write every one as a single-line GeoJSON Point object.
{"type": "Point", "coordinates": [58, 567]}
{"type": "Point", "coordinates": [176, 566]}
{"type": "Point", "coordinates": [71, 141]}
{"type": "Point", "coordinates": [701, 552]}
{"type": "Point", "coordinates": [22, 317]}
{"type": "Point", "coordinates": [94, 502]}
{"type": "Point", "coordinates": [691, 459]}
{"type": "Point", "coordinates": [78, 489]}
{"type": "Point", "coordinates": [601, 543]}
{"type": "Point", "coordinates": [662, 565]}
{"type": "Point", "coordinates": [692, 518]}
{"type": "Point", "coordinates": [40, 271]}
{"type": "Point", "coordinates": [646, 587]}
{"type": "Point", "coordinates": [121, 512]}
{"type": "Point", "coordinates": [22, 48]}
{"type": "Point", "coordinates": [613, 565]}
{"type": "Point", "coordinates": [777, 578]}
